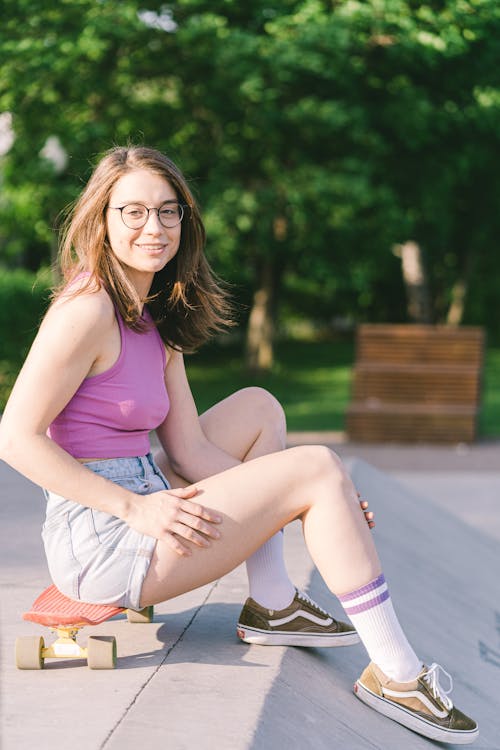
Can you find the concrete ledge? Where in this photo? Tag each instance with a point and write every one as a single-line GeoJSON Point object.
{"type": "Point", "coordinates": [185, 681]}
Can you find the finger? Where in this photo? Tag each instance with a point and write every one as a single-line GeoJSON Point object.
{"type": "Point", "coordinates": [369, 515]}
{"type": "Point", "coordinates": [197, 524]}
{"type": "Point", "coordinates": [181, 549]}
{"type": "Point", "coordinates": [195, 509]}
{"type": "Point", "coordinates": [364, 504]}
{"type": "Point", "coordinates": [186, 532]}
{"type": "Point", "coordinates": [184, 492]}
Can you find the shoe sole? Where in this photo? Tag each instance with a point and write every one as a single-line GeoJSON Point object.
{"type": "Point", "coordinates": [409, 720]}
{"type": "Point", "coordinates": [282, 638]}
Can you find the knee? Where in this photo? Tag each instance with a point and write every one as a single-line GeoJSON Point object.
{"type": "Point", "coordinates": [271, 414]}
{"type": "Point", "coordinates": [319, 462]}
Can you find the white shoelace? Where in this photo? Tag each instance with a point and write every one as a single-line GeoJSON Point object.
{"type": "Point", "coordinates": [306, 598]}
{"type": "Point", "coordinates": [431, 677]}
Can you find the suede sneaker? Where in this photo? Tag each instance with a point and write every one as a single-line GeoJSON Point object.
{"type": "Point", "coordinates": [302, 623]}
{"type": "Point", "coordinates": [422, 705]}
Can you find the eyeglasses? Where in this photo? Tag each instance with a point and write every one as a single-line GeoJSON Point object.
{"type": "Point", "coordinates": [136, 215]}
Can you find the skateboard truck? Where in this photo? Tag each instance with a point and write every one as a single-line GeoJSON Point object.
{"type": "Point", "coordinates": [66, 617]}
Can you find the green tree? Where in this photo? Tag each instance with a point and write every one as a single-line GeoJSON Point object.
{"type": "Point", "coordinates": [338, 130]}
{"type": "Point", "coordinates": [70, 71]}
{"type": "Point", "coordinates": [318, 135]}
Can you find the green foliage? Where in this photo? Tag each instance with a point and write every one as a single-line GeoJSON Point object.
{"type": "Point", "coordinates": [489, 421]}
{"type": "Point", "coordinates": [23, 299]}
{"type": "Point", "coordinates": [313, 382]}
{"type": "Point", "coordinates": [317, 134]}
{"type": "Point", "coordinates": [67, 70]}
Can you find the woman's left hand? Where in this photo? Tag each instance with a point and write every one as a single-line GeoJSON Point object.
{"type": "Point", "coordinates": [369, 516]}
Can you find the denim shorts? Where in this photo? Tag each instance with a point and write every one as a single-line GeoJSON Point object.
{"type": "Point", "coordinates": [93, 556]}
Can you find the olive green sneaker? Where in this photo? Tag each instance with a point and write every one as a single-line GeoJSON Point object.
{"type": "Point", "coordinates": [422, 705]}
{"type": "Point", "coordinates": [302, 623]}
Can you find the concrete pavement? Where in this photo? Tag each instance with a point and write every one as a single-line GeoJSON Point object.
{"type": "Point", "coordinates": [185, 681]}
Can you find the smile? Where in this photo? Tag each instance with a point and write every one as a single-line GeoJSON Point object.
{"type": "Point", "coordinates": [152, 248]}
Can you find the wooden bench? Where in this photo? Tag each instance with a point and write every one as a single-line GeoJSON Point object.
{"type": "Point", "coordinates": [416, 383]}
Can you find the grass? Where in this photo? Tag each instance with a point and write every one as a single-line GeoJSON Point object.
{"type": "Point", "coordinates": [312, 381]}
{"type": "Point", "coordinates": [489, 421]}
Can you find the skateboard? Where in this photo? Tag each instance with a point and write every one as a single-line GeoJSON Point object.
{"type": "Point", "coordinates": [66, 617]}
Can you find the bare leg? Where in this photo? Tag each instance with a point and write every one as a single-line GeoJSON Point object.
{"type": "Point", "coordinates": [258, 498]}
{"type": "Point", "coordinates": [248, 424]}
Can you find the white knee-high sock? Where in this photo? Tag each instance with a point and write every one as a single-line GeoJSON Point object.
{"type": "Point", "coordinates": [268, 579]}
{"type": "Point", "coordinates": [372, 614]}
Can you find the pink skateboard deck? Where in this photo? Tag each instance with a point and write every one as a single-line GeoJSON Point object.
{"type": "Point", "coordinates": [52, 608]}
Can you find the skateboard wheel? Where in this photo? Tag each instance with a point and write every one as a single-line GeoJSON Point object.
{"type": "Point", "coordinates": [29, 652]}
{"type": "Point", "coordinates": [101, 652]}
{"type": "Point", "coordinates": [141, 615]}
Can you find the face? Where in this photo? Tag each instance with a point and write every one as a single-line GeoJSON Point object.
{"type": "Point", "coordinates": [147, 250]}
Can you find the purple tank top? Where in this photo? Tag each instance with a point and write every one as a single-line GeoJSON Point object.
{"type": "Point", "coordinates": [111, 414]}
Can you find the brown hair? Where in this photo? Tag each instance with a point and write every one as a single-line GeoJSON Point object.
{"type": "Point", "coordinates": [187, 301]}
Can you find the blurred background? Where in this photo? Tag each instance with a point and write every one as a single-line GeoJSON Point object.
{"type": "Point", "coordinates": [343, 155]}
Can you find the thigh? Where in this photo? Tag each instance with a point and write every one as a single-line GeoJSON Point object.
{"type": "Point", "coordinates": [255, 499]}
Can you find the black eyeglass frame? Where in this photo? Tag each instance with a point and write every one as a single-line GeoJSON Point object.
{"type": "Point", "coordinates": [182, 207]}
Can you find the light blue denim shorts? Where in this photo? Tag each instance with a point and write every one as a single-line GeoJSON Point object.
{"type": "Point", "coordinates": [96, 557]}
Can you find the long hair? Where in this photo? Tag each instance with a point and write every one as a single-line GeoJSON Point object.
{"type": "Point", "coordinates": [188, 303]}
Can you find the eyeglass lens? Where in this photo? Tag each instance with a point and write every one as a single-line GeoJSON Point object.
{"type": "Point", "coordinates": [135, 215]}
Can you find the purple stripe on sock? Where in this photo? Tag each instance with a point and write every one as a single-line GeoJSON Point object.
{"type": "Point", "coordinates": [367, 605]}
{"type": "Point", "coordinates": [364, 589]}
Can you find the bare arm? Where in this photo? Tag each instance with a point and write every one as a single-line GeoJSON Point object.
{"type": "Point", "coordinates": [72, 341]}
{"type": "Point", "coordinates": [69, 343]}
{"type": "Point", "coordinates": [191, 454]}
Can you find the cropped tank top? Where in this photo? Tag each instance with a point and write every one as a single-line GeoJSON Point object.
{"type": "Point", "coordinates": [111, 413]}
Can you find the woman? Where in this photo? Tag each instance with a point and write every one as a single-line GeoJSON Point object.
{"type": "Point", "coordinates": [106, 368]}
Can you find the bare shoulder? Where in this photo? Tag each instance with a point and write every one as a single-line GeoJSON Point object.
{"type": "Point", "coordinates": [88, 310]}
